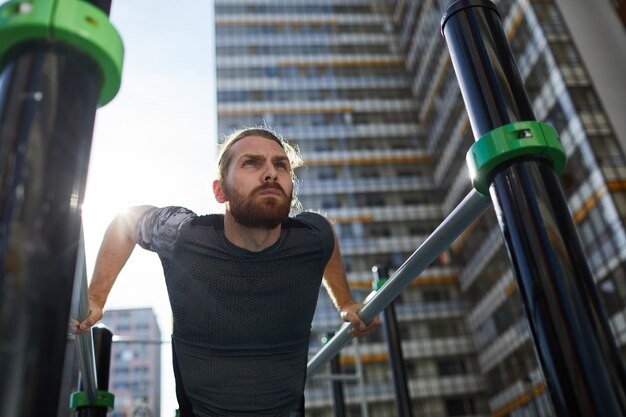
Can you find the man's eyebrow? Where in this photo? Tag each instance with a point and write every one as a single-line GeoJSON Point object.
{"type": "Point", "coordinates": [252, 156]}
{"type": "Point", "coordinates": [259, 157]}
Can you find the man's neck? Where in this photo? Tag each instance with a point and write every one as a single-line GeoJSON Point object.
{"type": "Point", "coordinates": [253, 239]}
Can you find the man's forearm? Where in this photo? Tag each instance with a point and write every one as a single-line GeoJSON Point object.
{"type": "Point", "coordinates": [117, 246]}
{"type": "Point", "coordinates": [335, 280]}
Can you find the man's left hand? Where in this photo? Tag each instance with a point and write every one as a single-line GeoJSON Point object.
{"type": "Point", "coordinates": [359, 328]}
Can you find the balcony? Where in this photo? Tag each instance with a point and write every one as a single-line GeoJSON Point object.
{"type": "Point", "coordinates": [391, 213]}
{"type": "Point", "coordinates": [343, 185]}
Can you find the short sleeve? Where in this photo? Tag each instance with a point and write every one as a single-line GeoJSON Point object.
{"type": "Point", "coordinates": [321, 224]}
{"type": "Point", "coordinates": [158, 229]}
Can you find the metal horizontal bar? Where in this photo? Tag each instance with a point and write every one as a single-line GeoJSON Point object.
{"type": "Point", "coordinates": [125, 339]}
{"type": "Point", "coordinates": [472, 206]}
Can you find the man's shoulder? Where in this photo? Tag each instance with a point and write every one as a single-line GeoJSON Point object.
{"type": "Point", "coordinates": [215, 221]}
{"type": "Point", "coordinates": [308, 219]}
{"type": "Point", "coordinates": [312, 221]}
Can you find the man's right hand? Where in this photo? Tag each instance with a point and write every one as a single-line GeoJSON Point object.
{"type": "Point", "coordinates": [96, 312]}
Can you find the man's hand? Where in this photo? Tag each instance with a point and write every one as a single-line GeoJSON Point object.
{"type": "Point", "coordinates": [96, 312]}
{"type": "Point", "coordinates": [359, 328]}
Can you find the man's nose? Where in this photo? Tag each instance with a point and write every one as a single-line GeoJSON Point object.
{"type": "Point", "coordinates": [271, 174]}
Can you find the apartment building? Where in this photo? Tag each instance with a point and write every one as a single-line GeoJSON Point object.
{"type": "Point", "coordinates": [135, 374]}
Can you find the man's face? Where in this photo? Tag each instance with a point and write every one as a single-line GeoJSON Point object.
{"type": "Point", "coordinates": [258, 187]}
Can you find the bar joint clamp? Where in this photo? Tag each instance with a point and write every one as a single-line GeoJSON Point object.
{"type": "Point", "coordinates": [80, 399]}
{"type": "Point", "coordinates": [74, 22]}
{"type": "Point", "coordinates": [510, 141]}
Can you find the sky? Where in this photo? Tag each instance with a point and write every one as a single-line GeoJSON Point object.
{"type": "Point", "coordinates": [154, 143]}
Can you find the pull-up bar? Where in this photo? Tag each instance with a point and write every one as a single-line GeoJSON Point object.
{"type": "Point", "coordinates": [93, 350]}
{"type": "Point", "coordinates": [84, 342]}
{"type": "Point", "coordinates": [472, 206]}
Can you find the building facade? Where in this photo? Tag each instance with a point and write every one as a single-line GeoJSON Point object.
{"type": "Point", "coordinates": [367, 91]}
{"type": "Point", "coordinates": [135, 374]}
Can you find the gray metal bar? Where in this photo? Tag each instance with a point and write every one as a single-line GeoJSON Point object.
{"type": "Point", "coordinates": [132, 340]}
{"type": "Point", "coordinates": [84, 342]}
{"type": "Point", "coordinates": [472, 206]}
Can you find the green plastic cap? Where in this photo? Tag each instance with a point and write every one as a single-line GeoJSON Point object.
{"type": "Point", "coordinates": [511, 141]}
{"type": "Point", "coordinates": [73, 22]}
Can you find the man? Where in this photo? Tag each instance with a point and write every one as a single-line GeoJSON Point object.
{"type": "Point", "coordinates": [243, 286]}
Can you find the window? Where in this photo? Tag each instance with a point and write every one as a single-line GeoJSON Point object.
{"type": "Point", "coordinates": [451, 367]}
{"type": "Point", "coordinates": [459, 406]}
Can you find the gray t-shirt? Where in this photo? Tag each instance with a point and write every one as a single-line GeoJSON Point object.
{"type": "Point", "coordinates": [241, 319]}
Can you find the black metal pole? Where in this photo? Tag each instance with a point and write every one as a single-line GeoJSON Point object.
{"type": "Point", "coordinates": [584, 372]}
{"type": "Point", "coordinates": [102, 342]}
{"type": "Point", "coordinates": [392, 336]}
{"type": "Point", "coordinates": [339, 404]}
{"type": "Point", "coordinates": [48, 101]}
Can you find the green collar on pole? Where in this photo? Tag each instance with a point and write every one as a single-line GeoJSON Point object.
{"type": "Point", "coordinates": [104, 399]}
{"type": "Point", "coordinates": [73, 22]}
{"type": "Point", "coordinates": [511, 141]}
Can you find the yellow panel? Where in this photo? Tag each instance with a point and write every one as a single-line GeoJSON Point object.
{"type": "Point", "coordinates": [510, 289]}
{"type": "Point", "coordinates": [344, 63]}
{"type": "Point", "coordinates": [259, 22]}
{"type": "Point", "coordinates": [370, 160]}
{"type": "Point", "coordinates": [355, 219]}
{"type": "Point", "coordinates": [450, 279]}
{"type": "Point", "coordinates": [588, 205]}
{"type": "Point", "coordinates": [618, 185]}
{"type": "Point", "coordinates": [374, 357]}
{"type": "Point", "coordinates": [519, 401]}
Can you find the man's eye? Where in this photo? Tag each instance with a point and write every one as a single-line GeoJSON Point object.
{"type": "Point", "coordinates": [281, 165]}
{"type": "Point", "coordinates": [252, 162]}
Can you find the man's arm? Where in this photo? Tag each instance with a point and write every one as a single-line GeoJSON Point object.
{"type": "Point", "coordinates": [117, 246]}
{"type": "Point", "coordinates": [337, 286]}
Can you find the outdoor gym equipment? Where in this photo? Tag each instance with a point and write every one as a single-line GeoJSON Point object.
{"type": "Point", "coordinates": [61, 59]}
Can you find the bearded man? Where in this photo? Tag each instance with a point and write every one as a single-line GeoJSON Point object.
{"type": "Point", "coordinates": [243, 286]}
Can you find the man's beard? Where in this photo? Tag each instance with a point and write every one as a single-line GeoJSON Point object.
{"type": "Point", "coordinates": [259, 211]}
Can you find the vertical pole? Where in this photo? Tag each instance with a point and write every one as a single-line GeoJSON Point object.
{"type": "Point", "coordinates": [49, 92]}
{"type": "Point", "coordinates": [47, 110]}
{"type": "Point", "coordinates": [337, 385]}
{"type": "Point", "coordinates": [392, 336]}
{"type": "Point", "coordinates": [84, 343]}
{"type": "Point", "coordinates": [585, 375]}
{"type": "Point", "coordinates": [358, 365]}
{"type": "Point", "coordinates": [102, 341]}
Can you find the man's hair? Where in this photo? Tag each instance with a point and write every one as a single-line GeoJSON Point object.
{"type": "Point", "coordinates": [293, 154]}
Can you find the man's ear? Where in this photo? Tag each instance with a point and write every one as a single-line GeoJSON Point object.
{"type": "Point", "coordinates": [218, 191]}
